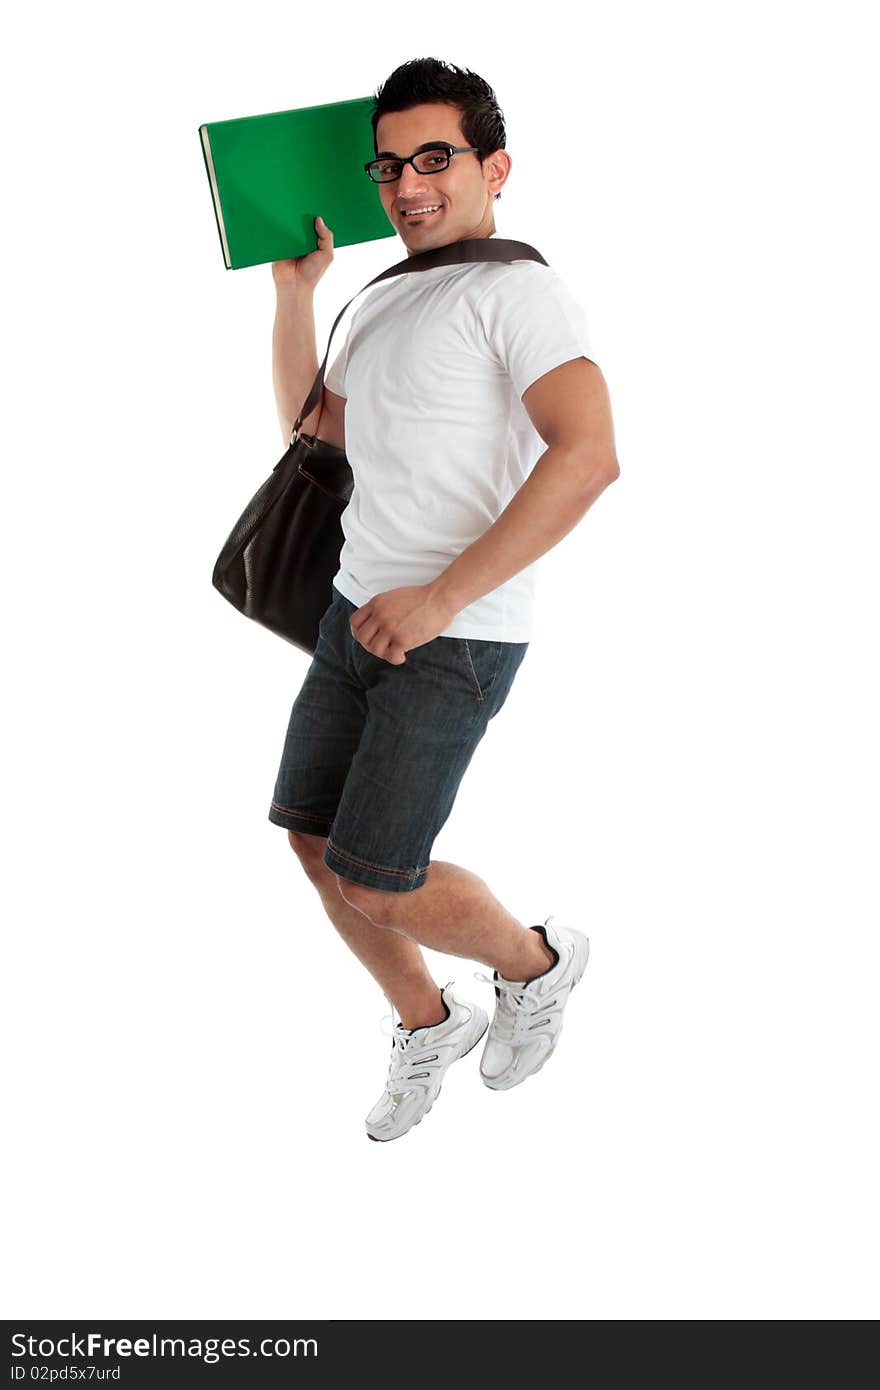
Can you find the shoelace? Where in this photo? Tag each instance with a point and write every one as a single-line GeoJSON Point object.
{"type": "Point", "coordinates": [515, 1003]}
{"type": "Point", "coordinates": [513, 993]}
{"type": "Point", "coordinates": [406, 1066]}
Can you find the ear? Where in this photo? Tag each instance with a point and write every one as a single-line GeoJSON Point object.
{"type": "Point", "coordinates": [496, 168]}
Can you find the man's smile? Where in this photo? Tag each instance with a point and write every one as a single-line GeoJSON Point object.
{"type": "Point", "coordinates": [423, 211]}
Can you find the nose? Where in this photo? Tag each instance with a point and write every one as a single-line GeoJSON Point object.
{"type": "Point", "coordinates": [410, 183]}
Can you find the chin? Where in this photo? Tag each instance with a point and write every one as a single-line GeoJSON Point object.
{"type": "Point", "coordinates": [436, 236]}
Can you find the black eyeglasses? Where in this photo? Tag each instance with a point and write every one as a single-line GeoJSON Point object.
{"type": "Point", "coordinates": [428, 161]}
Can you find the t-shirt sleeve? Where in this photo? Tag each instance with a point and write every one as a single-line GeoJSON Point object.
{"type": "Point", "coordinates": [533, 323]}
{"type": "Point", "coordinates": [334, 377]}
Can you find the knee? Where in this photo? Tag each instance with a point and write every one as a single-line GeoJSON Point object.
{"type": "Point", "coordinates": [309, 850]}
{"type": "Point", "coordinates": [381, 907]}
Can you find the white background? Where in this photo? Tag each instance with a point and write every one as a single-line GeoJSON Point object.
{"type": "Point", "coordinates": [687, 767]}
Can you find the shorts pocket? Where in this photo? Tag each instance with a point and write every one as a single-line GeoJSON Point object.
{"type": "Point", "coordinates": [480, 660]}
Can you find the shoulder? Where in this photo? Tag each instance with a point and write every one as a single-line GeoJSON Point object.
{"type": "Point", "coordinates": [522, 278]}
{"type": "Point", "coordinates": [529, 288]}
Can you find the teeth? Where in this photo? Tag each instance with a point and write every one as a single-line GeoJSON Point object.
{"type": "Point", "coordinates": [414, 212]}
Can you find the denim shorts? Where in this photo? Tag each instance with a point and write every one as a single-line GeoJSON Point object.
{"type": "Point", "coordinates": [374, 753]}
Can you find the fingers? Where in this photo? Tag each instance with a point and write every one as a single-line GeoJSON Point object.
{"type": "Point", "coordinates": [394, 654]}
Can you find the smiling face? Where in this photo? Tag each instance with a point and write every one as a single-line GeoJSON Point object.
{"type": "Point", "coordinates": [465, 191]}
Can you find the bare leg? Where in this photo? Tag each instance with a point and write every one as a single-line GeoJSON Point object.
{"type": "Point", "coordinates": [455, 912]}
{"type": "Point", "coordinates": [394, 961]}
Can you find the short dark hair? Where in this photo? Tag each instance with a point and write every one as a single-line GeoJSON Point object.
{"type": "Point", "coordinates": [424, 80]}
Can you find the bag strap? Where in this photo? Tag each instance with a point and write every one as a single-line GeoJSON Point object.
{"type": "Point", "coordinates": [455, 253]}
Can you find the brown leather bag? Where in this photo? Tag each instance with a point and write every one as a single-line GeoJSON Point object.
{"type": "Point", "coordinates": [278, 563]}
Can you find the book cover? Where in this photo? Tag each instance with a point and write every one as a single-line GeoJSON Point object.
{"type": "Point", "coordinates": [271, 175]}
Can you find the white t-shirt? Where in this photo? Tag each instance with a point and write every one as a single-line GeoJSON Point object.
{"type": "Point", "coordinates": [433, 368]}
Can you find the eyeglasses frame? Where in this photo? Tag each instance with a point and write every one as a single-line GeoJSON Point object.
{"type": "Point", "coordinates": [441, 145]}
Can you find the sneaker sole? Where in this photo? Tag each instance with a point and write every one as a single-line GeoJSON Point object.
{"type": "Point", "coordinates": [518, 1081]}
{"type": "Point", "coordinates": [411, 1127]}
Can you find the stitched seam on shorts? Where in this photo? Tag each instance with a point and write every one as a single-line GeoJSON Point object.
{"type": "Point", "coordinates": [365, 863]}
{"type": "Point", "coordinates": [498, 662]}
{"type": "Point", "coordinates": [470, 663]}
{"type": "Point", "coordinates": [305, 815]}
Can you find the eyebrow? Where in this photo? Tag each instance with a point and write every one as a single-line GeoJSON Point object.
{"type": "Point", "coordinates": [428, 145]}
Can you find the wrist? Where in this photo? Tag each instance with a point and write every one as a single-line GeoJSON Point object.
{"type": "Point", "coordinates": [442, 595]}
{"type": "Point", "coordinates": [293, 292]}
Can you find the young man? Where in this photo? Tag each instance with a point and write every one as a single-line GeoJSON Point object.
{"type": "Point", "coordinates": [449, 384]}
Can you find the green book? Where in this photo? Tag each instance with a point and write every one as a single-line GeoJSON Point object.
{"type": "Point", "coordinates": [270, 176]}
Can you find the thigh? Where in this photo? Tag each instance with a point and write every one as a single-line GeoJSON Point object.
{"type": "Point", "coordinates": [425, 719]}
{"type": "Point", "coordinates": [325, 727]}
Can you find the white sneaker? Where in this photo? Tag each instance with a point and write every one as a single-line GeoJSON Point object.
{"type": "Point", "coordinates": [528, 1016]}
{"type": "Point", "coordinates": [419, 1059]}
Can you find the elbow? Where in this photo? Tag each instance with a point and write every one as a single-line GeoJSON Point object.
{"type": "Point", "coordinates": [609, 468]}
{"type": "Point", "coordinates": [599, 472]}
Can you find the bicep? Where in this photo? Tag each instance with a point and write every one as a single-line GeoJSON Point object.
{"type": "Point", "coordinates": [569, 406]}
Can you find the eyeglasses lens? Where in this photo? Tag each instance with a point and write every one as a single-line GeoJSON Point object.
{"type": "Point", "coordinates": [426, 162]}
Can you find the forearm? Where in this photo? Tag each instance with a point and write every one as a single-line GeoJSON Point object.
{"type": "Point", "coordinates": [560, 489]}
{"type": "Point", "coordinates": [294, 357]}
